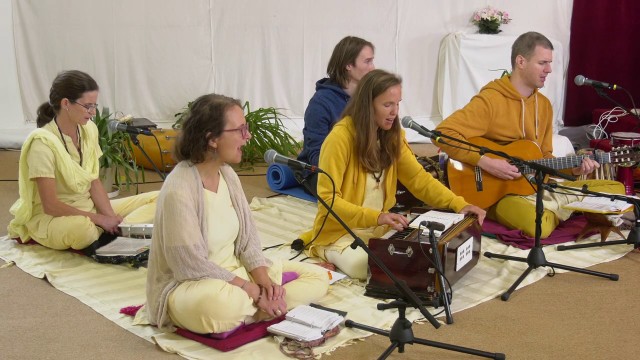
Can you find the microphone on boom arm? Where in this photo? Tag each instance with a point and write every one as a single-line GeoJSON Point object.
{"type": "Point", "coordinates": [271, 156]}
{"type": "Point", "coordinates": [407, 122]}
{"type": "Point", "coordinates": [115, 125]}
{"type": "Point", "coordinates": [581, 80]}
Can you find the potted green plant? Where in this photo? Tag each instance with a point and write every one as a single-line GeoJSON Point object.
{"type": "Point", "coordinates": [267, 130]}
{"type": "Point", "coordinates": [117, 164]}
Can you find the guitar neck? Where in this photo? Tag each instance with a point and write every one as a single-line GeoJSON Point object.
{"type": "Point", "coordinates": [567, 162]}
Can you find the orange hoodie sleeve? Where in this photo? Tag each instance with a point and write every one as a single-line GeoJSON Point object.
{"type": "Point", "coordinates": [471, 121]}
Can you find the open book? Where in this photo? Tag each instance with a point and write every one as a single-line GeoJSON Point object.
{"type": "Point", "coordinates": [600, 205]}
{"type": "Point", "coordinates": [124, 246]}
{"type": "Point", "coordinates": [306, 323]}
{"type": "Point", "coordinates": [448, 219]}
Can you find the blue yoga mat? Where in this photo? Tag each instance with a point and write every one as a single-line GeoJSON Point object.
{"type": "Point", "coordinates": [281, 180]}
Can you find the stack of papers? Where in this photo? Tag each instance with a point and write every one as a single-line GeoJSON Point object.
{"type": "Point", "coordinates": [447, 219]}
{"type": "Point", "coordinates": [124, 246]}
{"type": "Point", "coordinates": [306, 323]}
{"type": "Point", "coordinates": [600, 205]}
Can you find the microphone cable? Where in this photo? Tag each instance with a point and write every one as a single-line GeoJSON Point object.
{"type": "Point", "coordinates": [426, 256]}
{"type": "Point", "coordinates": [297, 244]}
{"type": "Point", "coordinates": [599, 131]}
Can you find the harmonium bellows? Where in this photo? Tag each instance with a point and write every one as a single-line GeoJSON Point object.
{"type": "Point", "coordinates": [408, 255]}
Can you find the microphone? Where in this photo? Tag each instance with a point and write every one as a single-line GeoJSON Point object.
{"type": "Point", "coordinates": [271, 156]}
{"type": "Point", "coordinates": [432, 225]}
{"type": "Point", "coordinates": [532, 180]}
{"type": "Point", "coordinates": [407, 122]}
{"type": "Point", "coordinates": [115, 125]}
{"type": "Point", "coordinates": [581, 80]}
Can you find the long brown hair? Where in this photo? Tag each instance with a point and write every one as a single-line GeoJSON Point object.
{"type": "Point", "coordinates": [376, 148]}
{"type": "Point", "coordinates": [205, 120]}
{"type": "Point", "coordinates": [345, 53]}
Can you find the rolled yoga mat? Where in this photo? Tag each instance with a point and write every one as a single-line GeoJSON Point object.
{"type": "Point", "coordinates": [282, 180]}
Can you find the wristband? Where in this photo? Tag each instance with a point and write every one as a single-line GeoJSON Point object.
{"type": "Point", "coordinates": [245, 284]}
{"type": "Point", "coordinates": [256, 301]}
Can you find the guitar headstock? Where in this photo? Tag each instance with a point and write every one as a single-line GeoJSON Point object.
{"type": "Point", "coordinates": [624, 155]}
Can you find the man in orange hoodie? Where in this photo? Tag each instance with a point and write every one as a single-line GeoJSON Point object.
{"type": "Point", "coordinates": [509, 109]}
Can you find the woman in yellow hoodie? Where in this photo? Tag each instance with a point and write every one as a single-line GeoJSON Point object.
{"type": "Point", "coordinates": [366, 154]}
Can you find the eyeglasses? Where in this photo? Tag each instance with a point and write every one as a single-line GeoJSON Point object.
{"type": "Point", "coordinates": [244, 130]}
{"type": "Point", "coordinates": [88, 107]}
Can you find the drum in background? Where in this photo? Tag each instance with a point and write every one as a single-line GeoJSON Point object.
{"type": "Point", "coordinates": [159, 152]}
{"type": "Point", "coordinates": [625, 172]}
{"type": "Point", "coordinates": [625, 139]}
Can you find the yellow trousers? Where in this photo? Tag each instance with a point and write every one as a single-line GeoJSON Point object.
{"type": "Point", "coordinates": [215, 306]}
{"type": "Point", "coordinates": [78, 232]}
{"type": "Point", "coordinates": [517, 212]}
{"type": "Point", "coordinates": [352, 262]}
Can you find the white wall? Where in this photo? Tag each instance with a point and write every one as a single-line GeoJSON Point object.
{"type": "Point", "coordinates": [12, 116]}
{"type": "Point", "coordinates": [150, 57]}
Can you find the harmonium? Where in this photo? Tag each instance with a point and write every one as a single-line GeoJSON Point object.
{"type": "Point", "coordinates": [138, 231]}
{"type": "Point", "coordinates": [408, 254]}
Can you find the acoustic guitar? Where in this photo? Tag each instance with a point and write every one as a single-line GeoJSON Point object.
{"type": "Point", "coordinates": [483, 189]}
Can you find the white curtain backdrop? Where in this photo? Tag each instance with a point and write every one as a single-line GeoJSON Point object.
{"type": "Point", "coordinates": [150, 57]}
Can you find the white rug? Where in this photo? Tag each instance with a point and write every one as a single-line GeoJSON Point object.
{"type": "Point", "coordinates": [108, 288]}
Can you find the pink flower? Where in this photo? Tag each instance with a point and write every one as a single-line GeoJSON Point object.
{"type": "Point", "coordinates": [490, 14]}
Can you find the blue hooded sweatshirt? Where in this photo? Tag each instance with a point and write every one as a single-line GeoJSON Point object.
{"type": "Point", "coordinates": [323, 111]}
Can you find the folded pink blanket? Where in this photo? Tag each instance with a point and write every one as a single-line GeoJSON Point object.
{"type": "Point", "coordinates": [567, 231]}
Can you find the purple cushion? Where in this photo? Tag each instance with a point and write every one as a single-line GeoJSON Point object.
{"type": "Point", "coordinates": [567, 231]}
{"type": "Point", "coordinates": [242, 335]}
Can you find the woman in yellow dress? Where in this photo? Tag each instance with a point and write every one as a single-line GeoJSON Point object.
{"type": "Point", "coordinates": [207, 272]}
{"type": "Point", "coordinates": [62, 202]}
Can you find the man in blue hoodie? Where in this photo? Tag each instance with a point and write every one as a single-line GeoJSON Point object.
{"type": "Point", "coordinates": [351, 59]}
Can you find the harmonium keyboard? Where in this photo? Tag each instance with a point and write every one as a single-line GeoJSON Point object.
{"type": "Point", "coordinates": [408, 255]}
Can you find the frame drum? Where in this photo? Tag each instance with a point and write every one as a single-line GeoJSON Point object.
{"type": "Point", "coordinates": [159, 152]}
{"type": "Point", "coordinates": [625, 138]}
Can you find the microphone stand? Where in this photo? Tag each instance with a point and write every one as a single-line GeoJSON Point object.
{"type": "Point", "coordinates": [440, 269]}
{"type": "Point", "coordinates": [604, 95]}
{"type": "Point", "coordinates": [401, 332]}
{"type": "Point", "coordinates": [536, 257]}
{"type": "Point", "coordinates": [634, 235]}
{"type": "Point", "coordinates": [134, 139]}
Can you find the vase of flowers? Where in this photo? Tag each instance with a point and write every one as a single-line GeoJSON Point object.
{"type": "Point", "coordinates": [489, 20]}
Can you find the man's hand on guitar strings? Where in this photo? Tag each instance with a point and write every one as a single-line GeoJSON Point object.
{"type": "Point", "coordinates": [587, 167]}
{"type": "Point", "coordinates": [499, 168]}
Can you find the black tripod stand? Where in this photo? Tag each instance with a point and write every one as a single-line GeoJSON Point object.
{"type": "Point", "coordinates": [536, 257]}
{"type": "Point", "coordinates": [401, 332]}
{"type": "Point", "coordinates": [134, 139]}
{"type": "Point", "coordinates": [634, 235]}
